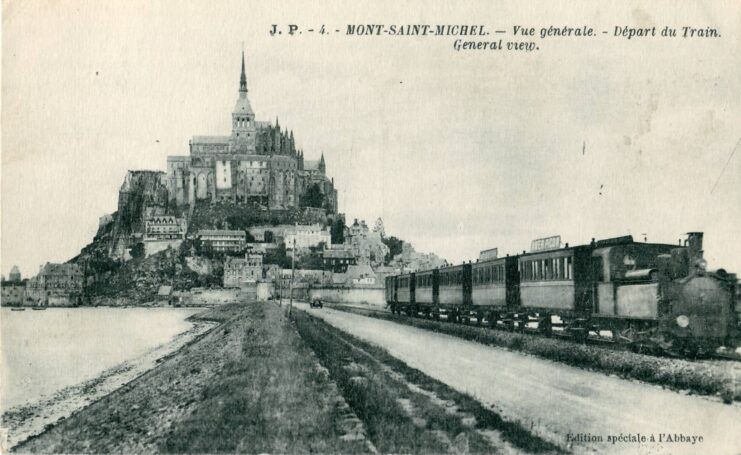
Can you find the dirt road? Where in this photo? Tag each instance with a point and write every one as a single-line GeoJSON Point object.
{"type": "Point", "coordinates": [571, 407]}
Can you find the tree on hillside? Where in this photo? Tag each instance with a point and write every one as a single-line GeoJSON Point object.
{"type": "Point", "coordinates": [278, 257]}
{"type": "Point", "coordinates": [313, 197]}
{"type": "Point", "coordinates": [137, 251]}
{"type": "Point", "coordinates": [337, 231]}
{"type": "Point", "coordinates": [394, 244]}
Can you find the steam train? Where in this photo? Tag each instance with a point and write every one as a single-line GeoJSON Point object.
{"type": "Point", "coordinates": [647, 295]}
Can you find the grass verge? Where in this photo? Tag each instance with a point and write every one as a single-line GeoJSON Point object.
{"type": "Point", "coordinates": [703, 378]}
{"type": "Point", "coordinates": [404, 410]}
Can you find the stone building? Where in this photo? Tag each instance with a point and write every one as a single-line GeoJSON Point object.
{"type": "Point", "coordinates": [367, 246]}
{"type": "Point", "coordinates": [306, 236]}
{"type": "Point", "coordinates": [13, 289]}
{"type": "Point", "coordinates": [257, 163]}
{"type": "Point", "coordinates": [56, 285]}
{"type": "Point", "coordinates": [165, 227]}
{"type": "Point", "coordinates": [162, 232]}
{"type": "Point", "coordinates": [240, 272]}
{"type": "Point", "coordinates": [223, 240]}
{"type": "Point", "coordinates": [338, 260]}
{"type": "Point", "coordinates": [14, 275]}
{"type": "Point", "coordinates": [411, 261]}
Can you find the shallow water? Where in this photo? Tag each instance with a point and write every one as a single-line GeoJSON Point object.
{"type": "Point", "coordinates": [46, 351]}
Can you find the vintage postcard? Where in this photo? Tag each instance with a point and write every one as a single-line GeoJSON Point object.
{"type": "Point", "coordinates": [411, 226]}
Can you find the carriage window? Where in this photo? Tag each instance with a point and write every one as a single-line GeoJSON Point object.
{"type": "Point", "coordinates": [569, 269]}
{"type": "Point", "coordinates": [554, 274]}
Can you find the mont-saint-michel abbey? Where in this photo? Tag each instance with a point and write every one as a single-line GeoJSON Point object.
{"type": "Point", "coordinates": [257, 163]}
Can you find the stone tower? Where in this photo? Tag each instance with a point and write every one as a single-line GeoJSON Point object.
{"type": "Point", "coordinates": [243, 120]}
{"type": "Point", "coordinates": [322, 166]}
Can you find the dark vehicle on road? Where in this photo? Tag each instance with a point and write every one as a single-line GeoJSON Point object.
{"type": "Point", "coordinates": [317, 303]}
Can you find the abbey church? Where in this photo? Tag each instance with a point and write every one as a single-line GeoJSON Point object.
{"type": "Point", "coordinates": [258, 163]}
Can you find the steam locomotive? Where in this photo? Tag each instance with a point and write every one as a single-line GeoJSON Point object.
{"type": "Point", "coordinates": [648, 295]}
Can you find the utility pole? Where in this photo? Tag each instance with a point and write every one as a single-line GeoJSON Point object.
{"type": "Point", "coordinates": [293, 266]}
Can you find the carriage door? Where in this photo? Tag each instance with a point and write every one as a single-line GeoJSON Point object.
{"type": "Point", "coordinates": [436, 287]}
{"type": "Point", "coordinates": [604, 299]}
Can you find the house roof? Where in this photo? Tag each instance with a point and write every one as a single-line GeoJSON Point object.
{"type": "Point", "coordinates": [360, 271]}
{"type": "Point", "coordinates": [234, 262]}
{"type": "Point", "coordinates": [221, 232]}
{"type": "Point", "coordinates": [164, 291]}
{"type": "Point", "coordinates": [337, 254]}
{"type": "Point", "coordinates": [61, 269]}
{"type": "Point", "coordinates": [163, 219]}
{"type": "Point", "coordinates": [222, 140]}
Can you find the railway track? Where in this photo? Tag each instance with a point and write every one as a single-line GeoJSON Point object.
{"type": "Point", "coordinates": [595, 340]}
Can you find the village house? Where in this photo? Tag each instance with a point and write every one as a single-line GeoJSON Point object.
{"type": "Point", "coordinates": [165, 227]}
{"type": "Point", "coordinates": [223, 240]}
{"type": "Point", "coordinates": [240, 272]}
{"type": "Point", "coordinates": [337, 259]}
{"type": "Point", "coordinates": [56, 285]}
{"type": "Point", "coordinates": [305, 236]}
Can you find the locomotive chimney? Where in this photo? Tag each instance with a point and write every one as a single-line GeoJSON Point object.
{"type": "Point", "coordinates": [694, 246]}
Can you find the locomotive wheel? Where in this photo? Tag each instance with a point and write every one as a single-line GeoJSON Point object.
{"type": "Point", "coordinates": [510, 323]}
{"type": "Point", "coordinates": [580, 334]}
{"type": "Point", "coordinates": [545, 326]}
{"type": "Point", "coordinates": [521, 322]}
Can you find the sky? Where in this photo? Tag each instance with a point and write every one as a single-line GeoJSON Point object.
{"type": "Point", "coordinates": [457, 152]}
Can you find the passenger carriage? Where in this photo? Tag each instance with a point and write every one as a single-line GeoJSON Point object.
{"type": "Point", "coordinates": [404, 293]}
{"type": "Point", "coordinates": [556, 282]}
{"type": "Point", "coordinates": [495, 289]}
{"type": "Point", "coordinates": [425, 291]}
{"type": "Point", "coordinates": [454, 291]}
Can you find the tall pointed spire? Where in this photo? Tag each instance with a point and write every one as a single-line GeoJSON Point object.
{"type": "Point", "coordinates": [243, 77]}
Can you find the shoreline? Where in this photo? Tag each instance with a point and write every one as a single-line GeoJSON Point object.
{"type": "Point", "coordinates": [22, 422]}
